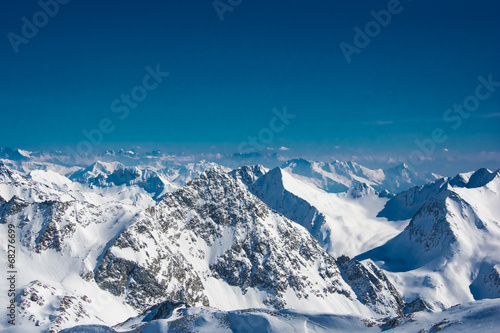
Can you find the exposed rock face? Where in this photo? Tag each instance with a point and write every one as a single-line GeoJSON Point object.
{"type": "Point", "coordinates": [248, 174]}
{"type": "Point", "coordinates": [415, 306]}
{"type": "Point", "coordinates": [37, 300]}
{"type": "Point", "coordinates": [371, 285]}
{"type": "Point", "coordinates": [164, 274]}
{"type": "Point", "coordinates": [214, 227]}
{"type": "Point", "coordinates": [487, 282]}
{"type": "Point", "coordinates": [429, 227]}
{"type": "Point", "coordinates": [405, 204]}
{"type": "Point", "coordinates": [360, 191]}
{"type": "Point", "coordinates": [12, 207]}
{"type": "Point", "coordinates": [52, 224]}
{"type": "Point", "coordinates": [163, 310]}
{"type": "Point", "coordinates": [340, 176]}
{"type": "Point", "coordinates": [259, 263]}
{"type": "Point", "coordinates": [449, 241]}
{"type": "Point", "coordinates": [14, 184]}
{"type": "Point", "coordinates": [116, 174]}
{"type": "Point", "coordinates": [239, 240]}
{"type": "Point", "coordinates": [270, 189]}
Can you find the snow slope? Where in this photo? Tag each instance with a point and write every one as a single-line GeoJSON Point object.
{"type": "Point", "coordinates": [343, 223]}
{"type": "Point", "coordinates": [214, 238]}
{"type": "Point", "coordinates": [114, 247]}
{"type": "Point", "coordinates": [339, 176]}
{"type": "Point", "coordinates": [448, 254]}
{"type": "Point", "coordinates": [481, 316]}
{"type": "Point", "coordinates": [210, 243]}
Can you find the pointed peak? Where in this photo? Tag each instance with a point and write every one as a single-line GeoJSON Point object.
{"type": "Point", "coordinates": [299, 165]}
{"type": "Point", "coordinates": [361, 190]}
{"type": "Point", "coordinates": [13, 154]}
{"type": "Point", "coordinates": [403, 166]}
{"type": "Point", "coordinates": [248, 174]}
{"type": "Point", "coordinates": [273, 178]}
{"type": "Point", "coordinates": [344, 164]}
{"type": "Point", "coordinates": [481, 177]}
{"type": "Point", "coordinates": [104, 166]}
{"type": "Point", "coordinates": [276, 172]}
{"type": "Point", "coordinates": [215, 171]}
{"type": "Point", "coordinates": [399, 168]}
{"type": "Point", "coordinates": [297, 161]}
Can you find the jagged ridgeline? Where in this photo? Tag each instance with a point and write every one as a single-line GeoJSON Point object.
{"type": "Point", "coordinates": [197, 246]}
{"type": "Point", "coordinates": [214, 229]}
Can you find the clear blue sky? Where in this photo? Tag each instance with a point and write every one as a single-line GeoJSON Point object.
{"type": "Point", "coordinates": [227, 76]}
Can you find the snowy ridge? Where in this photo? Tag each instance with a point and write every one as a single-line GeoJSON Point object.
{"type": "Point", "coordinates": [339, 176]}
{"type": "Point", "coordinates": [447, 253]}
{"type": "Point", "coordinates": [194, 246]}
{"type": "Point", "coordinates": [482, 315]}
{"type": "Point", "coordinates": [343, 225]}
{"type": "Point", "coordinates": [218, 232]}
{"type": "Point", "coordinates": [116, 174]}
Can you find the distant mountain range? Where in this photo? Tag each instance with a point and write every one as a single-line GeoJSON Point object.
{"type": "Point", "coordinates": [195, 245]}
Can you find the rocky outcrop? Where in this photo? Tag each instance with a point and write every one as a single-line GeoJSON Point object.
{"type": "Point", "coordinates": [371, 285]}
{"type": "Point", "coordinates": [37, 300]}
{"type": "Point", "coordinates": [215, 227]}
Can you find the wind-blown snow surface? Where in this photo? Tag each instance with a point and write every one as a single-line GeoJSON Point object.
{"type": "Point", "coordinates": [199, 248]}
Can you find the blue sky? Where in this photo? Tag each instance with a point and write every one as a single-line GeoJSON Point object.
{"type": "Point", "coordinates": [226, 76]}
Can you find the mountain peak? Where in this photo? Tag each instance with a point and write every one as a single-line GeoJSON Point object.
{"type": "Point", "coordinates": [214, 226]}
{"type": "Point", "coordinates": [398, 169]}
{"type": "Point", "coordinates": [272, 181]}
{"type": "Point", "coordinates": [297, 162]}
{"type": "Point", "coordinates": [361, 190]}
{"type": "Point", "coordinates": [248, 174]}
{"type": "Point", "coordinates": [481, 177]}
{"type": "Point", "coordinates": [13, 154]}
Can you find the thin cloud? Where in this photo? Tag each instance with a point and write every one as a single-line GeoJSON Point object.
{"type": "Point", "coordinates": [491, 115]}
{"type": "Point", "coordinates": [379, 122]}
{"type": "Point", "coordinates": [284, 148]}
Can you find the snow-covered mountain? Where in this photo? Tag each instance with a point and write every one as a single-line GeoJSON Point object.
{"type": "Point", "coordinates": [158, 182]}
{"type": "Point", "coordinates": [343, 223]}
{"type": "Point", "coordinates": [481, 316]}
{"type": "Point", "coordinates": [448, 253]}
{"type": "Point", "coordinates": [13, 154]}
{"type": "Point", "coordinates": [214, 238]}
{"type": "Point", "coordinates": [339, 176]}
{"type": "Point", "coordinates": [103, 174]}
{"type": "Point", "coordinates": [195, 246]}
